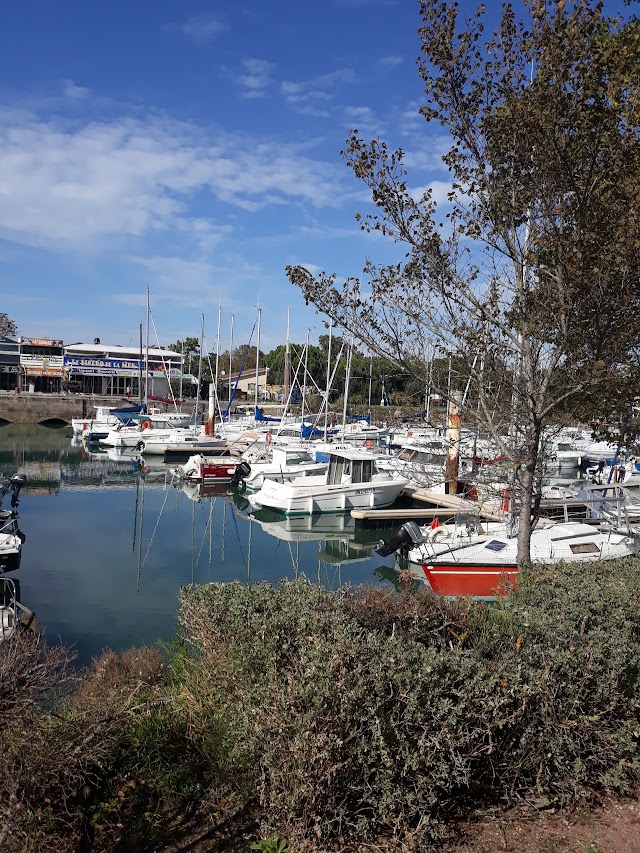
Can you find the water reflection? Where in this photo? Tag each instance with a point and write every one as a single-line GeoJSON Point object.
{"type": "Point", "coordinates": [112, 538]}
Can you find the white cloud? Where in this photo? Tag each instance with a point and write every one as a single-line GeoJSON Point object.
{"type": "Point", "coordinates": [364, 120]}
{"type": "Point", "coordinates": [201, 28]}
{"type": "Point", "coordinates": [72, 186]}
{"type": "Point", "coordinates": [391, 60]}
{"type": "Point", "coordinates": [428, 157]}
{"type": "Point", "coordinates": [72, 91]}
{"type": "Point", "coordinates": [439, 192]}
{"type": "Point", "coordinates": [310, 97]}
{"type": "Point", "coordinates": [257, 78]}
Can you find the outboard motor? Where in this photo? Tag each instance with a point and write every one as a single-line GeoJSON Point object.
{"type": "Point", "coordinates": [404, 539]}
{"type": "Point", "coordinates": [242, 470]}
{"type": "Point", "coordinates": [15, 484]}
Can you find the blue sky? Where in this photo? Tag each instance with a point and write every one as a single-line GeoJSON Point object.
{"type": "Point", "coordinates": [194, 147]}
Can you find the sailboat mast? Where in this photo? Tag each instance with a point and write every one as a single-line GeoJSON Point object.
{"type": "Point", "coordinates": [146, 361]}
{"type": "Point", "coordinates": [200, 364]}
{"type": "Point", "coordinates": [257, 362]}
{"type": "Point", "coordinates": [140, 370]}
{"type": "Point", "coordinates": [326, 401]}
{"type": "Point", "coordinates": [218, 350]}
{"type": "Point", "coordinates": [346, 389]}
{"type": "Point", "coordinates": [304, 379]}
{"type": "Point", "coordinates": [181, 370]}
{"type": "Point", "coordinates": [287, 360]}
{"type": "Point", "coordinates": [230, 365]}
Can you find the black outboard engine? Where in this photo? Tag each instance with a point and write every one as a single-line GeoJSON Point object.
{"type": "Point", "coordinates": [15, 484]}
{"type": "Point", "coordinates": [404, 539]}
{"type": "Point", "coordinates": [242, 470]}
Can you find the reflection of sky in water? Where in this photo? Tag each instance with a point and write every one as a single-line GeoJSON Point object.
{"type": "Point", "coordinates": [93, 585]}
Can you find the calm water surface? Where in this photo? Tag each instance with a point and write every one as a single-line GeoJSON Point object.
{"type": "Point", "coordinates": [108, 546]}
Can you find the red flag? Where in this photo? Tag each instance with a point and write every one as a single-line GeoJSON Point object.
{"type": "Point", "coordinates": [435, 523]}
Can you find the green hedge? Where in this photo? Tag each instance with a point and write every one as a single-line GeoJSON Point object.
{"type": "Point", "coordinates": [355, 713]}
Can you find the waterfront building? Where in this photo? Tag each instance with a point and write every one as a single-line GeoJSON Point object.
{"type": "Point", "coordinates": [118, 371]}
{"type": "Point", "coordinates": [42, 364]}
{"type": "Point", "coordinates": [245, 383]}
{"type": "Point", "coordinates": [9, 364]}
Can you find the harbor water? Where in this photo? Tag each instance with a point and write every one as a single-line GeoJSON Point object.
{"type": "Point", "coordinates": [109, 543]}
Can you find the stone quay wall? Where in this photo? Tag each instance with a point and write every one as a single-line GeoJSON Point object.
{"type": "Point", "coordinates": [38, 408]}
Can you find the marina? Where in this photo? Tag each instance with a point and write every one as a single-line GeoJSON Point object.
{"type": "Point", "coordinates": [113, 536]}
{"type": "Point", "coordinates": [109, 545]}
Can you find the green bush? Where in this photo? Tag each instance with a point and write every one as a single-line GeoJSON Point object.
{"type": "Point", "coordinates": [355, 713]}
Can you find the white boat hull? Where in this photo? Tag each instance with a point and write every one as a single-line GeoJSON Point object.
{"type": "Point", "coordinates": [315, 496]}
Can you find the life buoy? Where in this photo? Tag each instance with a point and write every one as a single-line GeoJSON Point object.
{"type": "Point", "coordinates": [368, 443]}
{"type": "Point", "coordinates": [145, 425]}
{"type": "Point", "coordinates": [269, 438]}
{"type": "Point", "coordinates": [438, 533]}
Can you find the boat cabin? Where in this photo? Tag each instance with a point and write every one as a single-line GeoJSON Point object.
{"type": "Point", "coordinates": [350, 468]}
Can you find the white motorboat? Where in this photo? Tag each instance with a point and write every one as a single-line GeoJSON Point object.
{"type": "Point", "coordinates": [564, 456]}
{"type": "Point", "coordinates": [105, 419]}
{"type": "Point", "coordinates": [146, 432]}
{"type": "Point", "coordinates": [360, 431]}
{"type": "Point", "coordinates": [11, 539]}
{"type": "Point", "coordinates": [352, 481]}
{"type": "Point", "coordinates": [279, 462]}
{"type": "Point", "coordinates": [624, 473]}
{"type": "Point", "coordinates": [13, 614]}
{"type": "Point", "coordinates": [482, 561]}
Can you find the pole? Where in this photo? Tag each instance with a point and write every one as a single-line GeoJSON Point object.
{"type": "Point", "coordinates": [257, 362]}
{"type": "Point", "coordinates": [230, 366]}
{"type": "Point", "coordinates": [287, 359]}
{"type": "Point", "coordinates": [213, 387]}
{"type": "Point", "coordinates": [140, 370]}
{"type": "Point", "coordinates": [218, 346]}
{"type": "Point", "coordinates": [181, 370]}
{"type": "Point", "coordinates": [346, 389]}
{"type": "Point", "coordinates": [452, 464]}
{"type": "Point", "coordinates": [326, 402]}
{"type": "Point", "coordinates": [146, 363]}
{"type": "Point", "coordinates": [306, 361]}
{"type": "Point", "coordinates": [200, 365]}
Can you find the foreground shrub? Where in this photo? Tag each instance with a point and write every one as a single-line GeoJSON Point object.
{"type": "Point", "coordinates": [93, 760]}
{"type": "Point", "coordinates": [352, 715]}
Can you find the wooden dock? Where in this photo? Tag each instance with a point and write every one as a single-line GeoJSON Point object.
{"type": "Point", "coordinates": [435, 505]}
{"type": "Point", "coordinates": [445, 507]}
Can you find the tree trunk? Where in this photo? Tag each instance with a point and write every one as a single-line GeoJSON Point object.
{"type": "Point", "coordinates": [526, 475]}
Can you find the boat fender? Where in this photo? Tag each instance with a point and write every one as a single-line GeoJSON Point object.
{"type": "Point", "coordinates": [269, 438]}
{"type": "Point", "coordinates": [145, 425]}
{"type": "Point", "coordinates": [407, 535]}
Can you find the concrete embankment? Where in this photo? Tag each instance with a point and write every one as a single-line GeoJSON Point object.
{"type": "Point", "coordinates": [50, 408]}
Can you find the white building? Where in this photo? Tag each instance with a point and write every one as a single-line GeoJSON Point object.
{"type": "Point", "coordinates": [119, 371]}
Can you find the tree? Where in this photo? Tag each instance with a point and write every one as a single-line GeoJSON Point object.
{"type": "Point", "coordinates": [8, 328]}
{"type": "Point", "coordinates": [531, 277]}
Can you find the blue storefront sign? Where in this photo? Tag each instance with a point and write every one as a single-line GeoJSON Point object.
{"type": "Point", "coordinates": [102, 366]}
